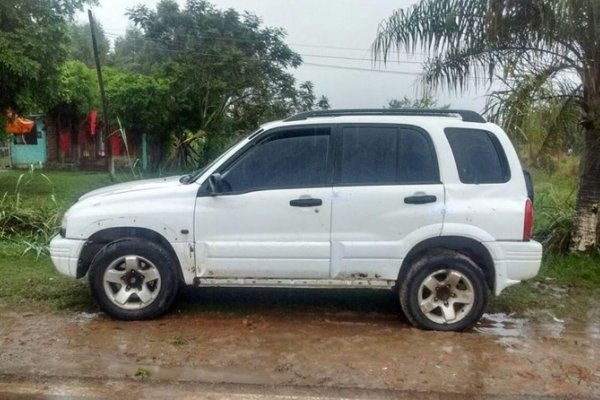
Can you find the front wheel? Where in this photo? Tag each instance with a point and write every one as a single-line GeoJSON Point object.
{"type": "Point", "coordinates": [131, 279]}
{"type": "Point", "coordinates": [445, 291]}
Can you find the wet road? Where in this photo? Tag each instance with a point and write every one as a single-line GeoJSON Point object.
{"type": "Point", "coordinates": [250, 343]}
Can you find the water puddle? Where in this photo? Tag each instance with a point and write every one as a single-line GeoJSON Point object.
{"type": "Point", "coordinates": [82, 318]}
{"type": "Point", "coordinates": [502, 325]}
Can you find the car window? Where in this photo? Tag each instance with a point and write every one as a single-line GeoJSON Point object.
{"type": "Point", "coordinates": [479, 156]}
{"type": "Point", "coordinates": [385, 155]}
{"type": "Point", "coordinates": [416, 158]}
{"type": "Point", "coordinates": [292, 158]}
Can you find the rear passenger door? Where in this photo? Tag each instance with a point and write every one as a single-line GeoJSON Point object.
{"type": "Point", "coordinates": [387, 191]}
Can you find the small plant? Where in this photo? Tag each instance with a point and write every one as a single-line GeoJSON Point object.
{"type": "Point", "coordinates": [555, 211]}
{"type": "Point", "coordinates": [178, 341]}
{"type": "Point", "coordinates": [134, 166]}
{"type": "Point", "coordinates": [30, 224]}
{"type": "Point", "coordinates": [142, 373]}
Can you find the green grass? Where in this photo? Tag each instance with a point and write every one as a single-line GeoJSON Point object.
{"type": "Point", "coordinates": [28, 279]}
{"type": "Point", "coordinates": [36, 190]}
{"type": "Point", "coordinates": [33, 283]}
{"type": "Point", "coordinates": [555, 195]}
{"type": "Point", "coordinates": [566, 286]}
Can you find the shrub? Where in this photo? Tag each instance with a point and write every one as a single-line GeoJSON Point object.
{"type": "Point", "coordinates": [30, 224]}
{"type": "Point", "coordinates": [555, 211]}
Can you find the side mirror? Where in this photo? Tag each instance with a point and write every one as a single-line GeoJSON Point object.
{"type": "Point", "coordinates": [215, 183]}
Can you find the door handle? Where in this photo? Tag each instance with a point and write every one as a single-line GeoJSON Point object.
{"type": "Point", "coordinates": [306, 202]}
{"type": "Point", "coordinates": [420, 199]}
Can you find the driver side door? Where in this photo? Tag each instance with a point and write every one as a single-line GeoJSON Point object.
{"type": "Point", "coordinates": [271, 215]}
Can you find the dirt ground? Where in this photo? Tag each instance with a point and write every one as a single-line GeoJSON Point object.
{"type": "Point", "coordinates": [252, 343]}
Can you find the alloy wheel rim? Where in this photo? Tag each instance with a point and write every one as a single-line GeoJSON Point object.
{"type": "Point", "coordinates": [446, 296]}
{"type": "Point", "coordinates": [131, 282]}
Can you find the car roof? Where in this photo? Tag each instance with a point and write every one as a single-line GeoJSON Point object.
{"type": "Point", "coordinates": [420, 120]}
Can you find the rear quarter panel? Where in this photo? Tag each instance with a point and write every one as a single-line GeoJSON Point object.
{"type": "Point", "coordinates": [497, 209]}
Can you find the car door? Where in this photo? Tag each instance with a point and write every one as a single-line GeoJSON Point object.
{"type": "Point", "coordinates": [387, 192]}
{"type": "Point", "coordinates": [272, 215]}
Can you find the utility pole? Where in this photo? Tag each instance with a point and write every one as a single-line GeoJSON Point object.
{"type": "Point", "coordinates": [103, 140]}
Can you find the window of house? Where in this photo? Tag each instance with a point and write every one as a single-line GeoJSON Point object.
{"type": "Point", "coordinates": [28, 138]}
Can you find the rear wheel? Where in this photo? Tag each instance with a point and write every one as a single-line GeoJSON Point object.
{"type": "Point", "coordinates": [444, 291]}
{"type": "Point", "coordinates": [131, 279]}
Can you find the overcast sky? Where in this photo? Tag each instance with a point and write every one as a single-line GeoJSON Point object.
{"type": "Point", "coordinates": [326, 32]}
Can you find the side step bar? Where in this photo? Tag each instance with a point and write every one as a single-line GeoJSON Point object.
{"type": "Point", "coordinates": [296, 283]}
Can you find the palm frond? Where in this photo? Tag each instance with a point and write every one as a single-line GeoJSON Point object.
{"type": "Point", "coordinates": [471, 40]}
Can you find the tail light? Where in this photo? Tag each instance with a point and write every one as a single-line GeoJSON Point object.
{"type": "Point", "coordinates": [528, 225]}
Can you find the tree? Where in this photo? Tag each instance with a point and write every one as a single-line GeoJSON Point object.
{"type": "Point", "coordinates": [132, 53]}
{"type": "Point", "coordinates": [80, 47]}
{"type": "Point", "coordinates": [77, 90]}
{"type": "Point", "coordinates": [426, 101]}
{"type": "Point", "coordinates": [140, 102]}
{"type": "Point", "coordinates": [227, 72]}
{"type": "Point", "coordinates": [546, 50]}
{"type": "Point", "coordinates": [323, 103]}
{"type": "Point", "coordinates": [543, 126]}
{"type": "Point", "coordinates": [33, 44]}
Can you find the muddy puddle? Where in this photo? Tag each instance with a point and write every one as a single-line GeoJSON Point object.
{"type": "Point", "coordinates": [307, 338]}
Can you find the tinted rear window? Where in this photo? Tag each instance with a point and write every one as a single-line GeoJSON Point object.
{"type": "Point", "coordinates": [479, 156]}
{"type": "Point", "coordinates": [372, 155]}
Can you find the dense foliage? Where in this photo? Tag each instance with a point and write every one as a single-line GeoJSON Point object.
{"type": "Point", "coordinates": [226, 71]}
{"type": "Point", "coordinates": [33, 44]}
{"type": "Point", "coordinates": [193, 78]}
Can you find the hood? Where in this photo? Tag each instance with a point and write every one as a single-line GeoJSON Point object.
{"type": "Point", "coordinates": [134, 186]}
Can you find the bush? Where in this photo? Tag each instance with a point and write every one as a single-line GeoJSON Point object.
{"type": "Point", "coordinates": [32, 225]}
{"type": "Point", "coordinates": [554, 213]}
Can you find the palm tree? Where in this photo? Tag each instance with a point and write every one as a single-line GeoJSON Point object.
{"type": "Point", "coordinates": [546, 51]}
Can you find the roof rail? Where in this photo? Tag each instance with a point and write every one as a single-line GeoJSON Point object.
{"type": "Point", "coordinates": [466, 115]}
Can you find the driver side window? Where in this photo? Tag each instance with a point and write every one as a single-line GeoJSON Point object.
{"type": "Point", "coordinates": [288, 159]}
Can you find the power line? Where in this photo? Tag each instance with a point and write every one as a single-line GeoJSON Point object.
{"type": "Point", "coordinates": [311, 64]}
{"type": "Point", "coordinates": [119, 33]}
{"type": "Point", "coordinates": [361, 69]}
{"type": "Point", "coordinates": [357, 59]}
{"type": "Point", "coordinates": [148, 40]}
{"type": "Point", "coordinates": [352, 49]}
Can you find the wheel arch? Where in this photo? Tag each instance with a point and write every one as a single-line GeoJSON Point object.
{"type": "Point", "coordinates": [100, 239]}
{"type": "Point", "coordinates": [467, 246]}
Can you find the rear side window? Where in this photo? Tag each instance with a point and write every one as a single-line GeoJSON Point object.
{"type": "Point", "coordinates": [372, 155]}
{"type": "Point", "coordinates": [479, 156]}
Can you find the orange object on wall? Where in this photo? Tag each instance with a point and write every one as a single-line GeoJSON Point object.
{"type": "Point", "coordinates": [19, 126]}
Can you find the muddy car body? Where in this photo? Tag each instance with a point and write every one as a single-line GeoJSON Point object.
{"type": "Point", "coordinates": [432, 204]}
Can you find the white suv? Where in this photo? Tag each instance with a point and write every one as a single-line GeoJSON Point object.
{"type": "Point", "coordinates": [433, 204]}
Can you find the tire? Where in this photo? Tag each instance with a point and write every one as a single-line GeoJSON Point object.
{"type": "Point", "coordinates": [132, 279]}
{"type": "Point", "coordinates": [444, 291]}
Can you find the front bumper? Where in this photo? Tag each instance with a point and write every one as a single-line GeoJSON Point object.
{"type": "Point", "coordinates": [518, 261]}
{"type": "Point", "coordinates": [65, 254]}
